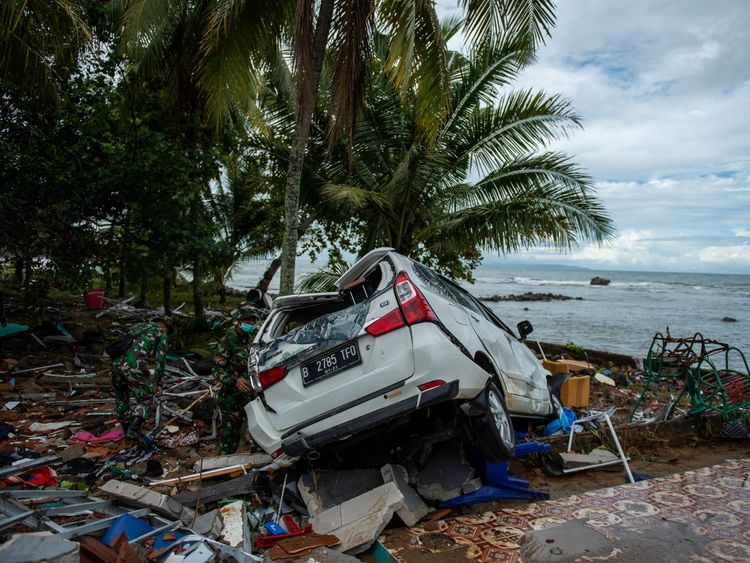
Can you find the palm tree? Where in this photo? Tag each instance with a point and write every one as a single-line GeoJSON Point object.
{"type": "Point", "coordinates": [36, 40]}
{"type": "Point", "coordinates": [236, 33]}
{"type": "Point", "coordinates": [487, 181]}
{"type": "Point", "coordinates": [416, 64]}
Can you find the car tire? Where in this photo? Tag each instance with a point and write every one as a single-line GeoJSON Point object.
{"type": "Point", "coordinates": [493, 430]}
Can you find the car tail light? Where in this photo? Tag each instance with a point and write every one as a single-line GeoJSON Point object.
{"type": "Point", "coordinates": [413, 304]}
{"type": "Point", "coordinates": [413, 308]}
{"type": "Point", "coordinates": [270, 376]}
{"type": "Point", "coordinates": [386, 323]}
{"type": "Point", "coordinates": [277, 453]}
{"type": "Point", "coordinates": [430, 385]}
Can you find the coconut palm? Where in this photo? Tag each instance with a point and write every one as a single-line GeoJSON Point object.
{"type": "Point", "coordinates": [487, 182]}
{"type": "Point", "coordinates": [36, 40]}
{"type": "Point", "coordinates": [416, 63]}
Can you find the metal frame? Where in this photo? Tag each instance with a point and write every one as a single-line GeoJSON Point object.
{"type": "Point", "coordinates": [605, 416]}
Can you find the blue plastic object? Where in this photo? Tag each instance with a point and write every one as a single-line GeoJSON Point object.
{"type": "Point", "coordinates": [133, 528]}
{"type": "Point", "coordinates": [274, 528]}
{"type": "Point", "coordinates": [561, 425]}
{"type": "Point", "coordinates": [499, 484]}
{"type": "Point", "coordinates": [12, 328]}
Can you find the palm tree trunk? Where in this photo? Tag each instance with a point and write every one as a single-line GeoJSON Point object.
{"type": "Point", "coordinates": [143, 297]}
{"type": "Point", "coordinates": [268, 275]}
{"type": "Point", "coordinates": [198, 288]}
{"type": "Point", "coordinates": [305, 108]}
{"type": "Point", "coordinates": [167, 290]}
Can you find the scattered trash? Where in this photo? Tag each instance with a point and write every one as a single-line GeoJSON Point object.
{"type": "Point", "coordinates": [68, 471]}
{"type": "Point", "coordinates": [602, 378]}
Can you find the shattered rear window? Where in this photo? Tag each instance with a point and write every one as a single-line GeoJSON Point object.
{"type": "Point", "coordinates": [315, 337]}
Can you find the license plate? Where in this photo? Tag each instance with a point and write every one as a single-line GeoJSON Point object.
{"type": "Point", "coordinates": [331, 363]}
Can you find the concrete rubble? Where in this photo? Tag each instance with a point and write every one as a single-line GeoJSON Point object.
{"type": "Point", "coordinates": [358, 522]}
{"type": "Point", "coordinates": [140, 496]}
{"type": "Point", "coordinates": [445, 474]}
{"type": "Point", "coordinates": [414, 508]}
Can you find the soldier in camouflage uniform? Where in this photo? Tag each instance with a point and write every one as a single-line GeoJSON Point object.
{"type": "Point", "coordinates": [138, 372]}
{"type": "Point", "coordinates": [230, 368]}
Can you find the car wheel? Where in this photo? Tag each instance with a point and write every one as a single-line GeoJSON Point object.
{"type": "Point", "coordinates": [494, 430]}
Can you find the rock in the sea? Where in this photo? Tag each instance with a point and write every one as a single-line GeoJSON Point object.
{"type": "Point", "coordinates": [729, 320]}
{"type": "Point", "coordinates": [596, 280]}
{"type": "Point", "coordinates": [530, 296]}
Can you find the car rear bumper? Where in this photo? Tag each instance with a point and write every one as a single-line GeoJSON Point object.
{"type": "Point", "coordinates": [297, 445]}
{"type": "Point", "coordinates": [435, 358]}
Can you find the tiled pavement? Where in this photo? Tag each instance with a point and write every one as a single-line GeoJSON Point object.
{"type": "Point", "coordinates": [711, 504]}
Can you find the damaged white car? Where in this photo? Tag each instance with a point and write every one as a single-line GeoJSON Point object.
{"type": "Point", "coordinates": [397, 339]}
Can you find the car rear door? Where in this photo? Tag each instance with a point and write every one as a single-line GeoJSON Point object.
{"type": "Point", "coordinates": [332, 363]}
{"type": "Point", "coordinates": [523, 375]}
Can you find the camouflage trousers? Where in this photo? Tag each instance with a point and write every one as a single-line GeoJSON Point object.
{"type": "Point", "coordinates": [232, 403]}
{"type": "Point", "coordinates": [133, 383]}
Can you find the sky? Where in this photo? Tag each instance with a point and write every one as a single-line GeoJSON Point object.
{"type": "Point", "coordinates": [663, 89]}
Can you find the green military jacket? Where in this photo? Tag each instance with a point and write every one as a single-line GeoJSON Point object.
{"type": "Point", "coordinates": [230, 361]}
{"type": "Point", "coordinates": [147, 351]}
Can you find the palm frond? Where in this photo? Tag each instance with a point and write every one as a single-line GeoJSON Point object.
{"type": "Point", "coordinates": [324, 280]}
{"type": "Point", "coordinates": [478, 81]}
{"type": "Point", "coordinates": [521, 123]}
{"type": "Point", "coordinates": [352, 38]}
{"type": "Point", "coordinates": [238, 38]}
{"type": "Point", "coordinates": [417, 60]}
{"type": "Point", "coordinates": [490, 19]}
{"type": "Point", "coordinates": [36, 37]}
{"type": "Point", "coordinates": [354, 197]}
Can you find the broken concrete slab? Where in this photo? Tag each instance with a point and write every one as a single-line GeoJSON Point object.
{"type": "Point", "coordinates": [599, 455]}
{"type": "Point", "coordinates": [414, 508]}
{"type": "Point", "coordinates": [235, 531]}
{"type": "Point", "coordinates": [331, 488]}
{"type": "Point", "coordinates": [446, 472]}
{"type": "Point", "coordinates": [209, 524]}
{"type": "Point", "coordinates": [359, 521]}
{"type": "Point", "coordinates": [249, 460]}
{"type": "Point", "coordinates": [140, 496]}
{"type": "Point", "coordinates": [40, 546]}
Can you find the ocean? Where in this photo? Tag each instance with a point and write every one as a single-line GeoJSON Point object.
{"type": "Point", "coordinates": [620, 317]}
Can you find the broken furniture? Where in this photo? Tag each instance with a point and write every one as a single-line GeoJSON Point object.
{"type": "Point", "coordinates": [600, 416]}
{"type": "Point", "coordinates": [715, 374]}
{"type": "Point", "coordinates": [500, 485]}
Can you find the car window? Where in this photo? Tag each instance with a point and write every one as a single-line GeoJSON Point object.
{"type": "Point", "coordinates": [494, 319]}
{"type": "Point", "coordinates": [465, 298]}
{"type": "Point", "coordinates": [433, 281]}
{"type": "Point", "coordinates": [379, 277]}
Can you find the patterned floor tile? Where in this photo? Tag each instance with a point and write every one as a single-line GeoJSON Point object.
{"type": "Point", "coordinates": [714, 503]}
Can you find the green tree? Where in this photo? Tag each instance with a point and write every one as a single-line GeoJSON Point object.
{"type": "Point", "coordinates": [416, 64]}
{"type": "Point", "coordinates": [486, 182]}
{"type": "Point", "coordinates": [39, 42]}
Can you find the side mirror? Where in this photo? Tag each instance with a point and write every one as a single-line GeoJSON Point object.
{"type": "Point", "coordinates": [524, 329]}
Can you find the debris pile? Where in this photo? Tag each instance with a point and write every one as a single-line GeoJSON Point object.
{"type": "Point", "coordinates": [73, 486]}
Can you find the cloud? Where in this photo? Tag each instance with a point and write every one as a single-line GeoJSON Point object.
{"type": "Point", "coordinates": [663, 88]}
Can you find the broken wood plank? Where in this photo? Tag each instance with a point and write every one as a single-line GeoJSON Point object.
{"type": "Point", "coordinates": [239, 486]}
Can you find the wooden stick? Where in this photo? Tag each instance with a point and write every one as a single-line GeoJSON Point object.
{"type": "Point", "coordinates": [242, 468]}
